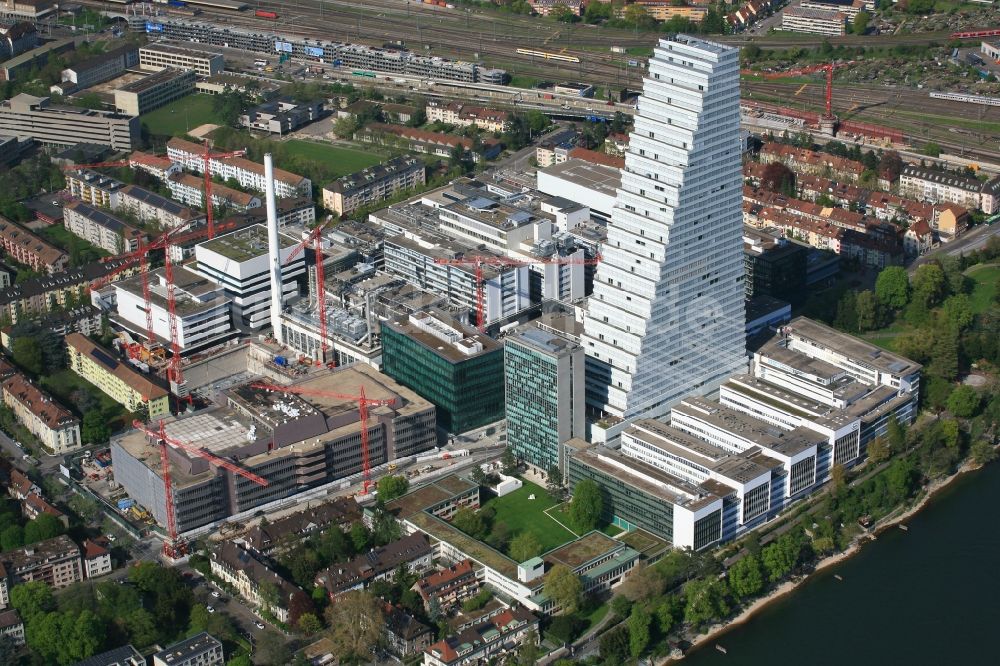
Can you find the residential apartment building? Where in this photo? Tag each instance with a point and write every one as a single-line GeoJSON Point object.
{"type": "Point", "coordinates": [412, 553]}
{"type": "Point", "coordinates": [641, 356]}
{"type": "Point", "coordinates": [341, 512]}
{"type": "Point", "coordinates": [154, 91]}
{"type": "Point", "coordinates": [126, 385]}
{"type": "Point", "coordinates": [157, 166]}
{"type": "Point", "coordinates": [159, 56]}
{"type": "Point", "coordinates": [28, 9]}
{"type": "Point", "coordinates": [55, 562]}
{"type": "Point", "coordinates": [12, 628]}
{"type": "Point", "coordinates": [664, 10]}
{"type": "Point", "coordinates": [281, 116]}
{"type": "Point", "coordinates": [848, 10]}
{"type": "Point", "coordinates": [940, 187]}
{"type": "Point", "coordinates": [249, 175]}
{"type": "Point", "coordinates": [404, 634]}
{"type": "Point", "coordinates": [831, 24]}
{"type": "Point", "coordinates": [373, 184]}
{"type": "Point", "coordinates": [102, 67]}
{"type": "Point", "coordinates": [29, 117]}
{"type": "Point", "coordinates": [803, 160]}
{"type": "Point", "coordinates": [149, 207]}
{"type": "Point", "coordinates": [54, 426]}
{"type": "Point", "coordinates": [448, 587]}
{"type": "Point", "coordinates": [26, 248]}
{"type": "Point", "coordinates": [237, 566]}
{"type": "Point", "coordinates": [101, 228]}
{"type": "Point", "coordinates": [201, 649]}
{"type": "Point", "coordinates": [448, 363]}
{"type": "Point", "coordinates": [544, 395]}
{"type": "Point", "coordinates": [119, 656]}
{"type": "Point", "coordinates": [94, 188]}
{"type": "Point", "coordinates": [38, 296]}
{"type": "Point", "coordinates": [439, 144]}
{"type": "Point", "coordinates": [190, 191]}
{"type": "Point", "coordinates": [96, 559]}
{"type": "Point", "coordinates": [949, 221]}
{"type": "Point", "coordinates": [4, 587]}
{"type": "Point", "coordinates": [485, 641]}
{"type": "Point", "coordinates": [465, 115]}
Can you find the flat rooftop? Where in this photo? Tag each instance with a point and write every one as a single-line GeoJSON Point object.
{"type": "Point", "coordinates": [857, 350]}
{"type": "Point", "coordinates": [246, 244]}
{"type": "Point", "coordinates": [160, 47]}
{"type": "Point", "coordinates": [587, 548]}
{"type": "Point", "coordinates": [495, 213]}
{"type": "Point", "coordinates": [751, 430]}
{"type": "Point", "coordinates": [444, 335]}
{"type": "Point", "coordinates": [153, 80]}
{"type": "Point", "coordinates": [602, 179]}
{"type": "Point", "coordinates": [543, 341]}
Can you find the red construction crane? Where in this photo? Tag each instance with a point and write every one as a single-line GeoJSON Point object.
{"type": "Point", "coordinates": [173, 547]}
{"type": "Point", "coordinates": [507, 262]}
{"type": "Point", "coordinates": [206, 158]}
{"type": "Point", "coordinates": [363, 404]}
{"type": "Point", "coordinates": [811, 69]}
{"type": "Point", "coordinates": [315, 237]}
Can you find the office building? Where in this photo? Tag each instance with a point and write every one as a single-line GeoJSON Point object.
{"type": "Point", "coordinates": [54, 426]}
{"type": "Point", "coordinates": [592, 185]}
{"type": "Point", "coordinates": [126, 385]}
{"type": "Point", "coordinates": [296, 442]}
{"type": "Point", "coordinates": [36, 58]}
{"type": "Point", "coordinates": [16, 39]}
{"type": "Point", "coordinates": [29, 117]}
{"type": "Point", "coordinates": [154, 91]}
{"type": "Point", "coordinates": [448, 363]}
{"type": "Point", "coordinates": [544, 395]}
{"type": "Point", "coordinates": [234, 564]}
{"type": "Point", "coordinates": [813, 21]}
{"type": "Point", "coordinates": [373, 184]}
{"type": "Point", "coordinates": [202, 307]}
{"type": "Point", "coordinates": [190, 191]}
{"type": "Point", "coordinates": [119, 656]}
{"type": "Point", "coordinates": [101, 228]}
{"type": "Point", "coordinates": [102, 67]}
{"type": "Point", "coordinates": [249, 175]}
{"type": "Point", "coordinates": [55, 562]}
{"type": "Point", "coordinates": [775, 266]}
{"type": "Point", "coordinates": [151, 207]}
{"type": "Point", "coordinates": [199, 650]}
{"type": "Point", "coordinates": [667, 316]}
{"type": "Point", "coordinates": [356, 56]}
{"type": "Point", "coordinates": [26, 248]}
{"type": "Point", "coordinates": [159, 56]}
{"type": "Point", "coordinates": [239, 262]}
{"type": "Point", "coordinates": [281, 116]}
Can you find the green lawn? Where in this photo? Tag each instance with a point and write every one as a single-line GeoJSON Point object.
{"type": "Point", "coordinates": [180, 117]}
{"type": "Point", "coordinates": [341, 160]}
{"type": "Point", "coordinates": [595, 616]}
{"type": "Point", "coordinates": [522, 514]}
{"type": "Point", "coordinates": [984, 294]}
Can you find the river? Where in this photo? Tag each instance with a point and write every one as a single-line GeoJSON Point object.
{"type": "Point", "coordinates": [926, 596]}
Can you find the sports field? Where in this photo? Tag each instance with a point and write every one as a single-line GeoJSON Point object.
{"type": "Point", "coordinates": [341, 160]}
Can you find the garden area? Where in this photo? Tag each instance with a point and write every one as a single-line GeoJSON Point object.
{"type": "Point", "coordinates": [341, 161]}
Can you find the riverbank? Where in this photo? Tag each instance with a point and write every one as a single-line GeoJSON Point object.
{"type": "Point", "coordinates": [787, 587]}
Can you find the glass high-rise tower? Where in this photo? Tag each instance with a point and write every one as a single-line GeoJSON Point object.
{"type": "Point", "coordinates": [666, 318]}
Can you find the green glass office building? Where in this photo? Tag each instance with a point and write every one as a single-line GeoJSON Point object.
{"type": "Point", "coordinates": [449, 364]}
{"type": "Point", "coordinates": [544, 378]}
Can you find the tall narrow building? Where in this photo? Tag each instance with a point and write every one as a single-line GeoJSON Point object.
{"type": "Point", "coordinates": [666, 318]}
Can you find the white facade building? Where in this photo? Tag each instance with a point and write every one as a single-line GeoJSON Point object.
{"type": "Point", "coordinates": [239, 262]}
{"type": "Point", "coordinates": [667, 314]}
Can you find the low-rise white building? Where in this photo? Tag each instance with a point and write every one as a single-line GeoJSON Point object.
{"type": "Point", "coordinates": [249, 175]}
{"type": "Point", "coordinates": [190, 190]}
{"type": "Point", "coordinates": [813, 21]}
{"type": "Point", "coordinates": [96, 559]}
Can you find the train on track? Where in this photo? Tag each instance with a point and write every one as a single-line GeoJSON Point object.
{"type": "Point", "coordinates": [228, 5]}
{"type": "Point", "coordinates": [970, 99]}
{"type": "Point", "coordinates": [548, 56]}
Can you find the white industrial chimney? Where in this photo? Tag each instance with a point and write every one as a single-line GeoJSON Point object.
{"type": "Point", "coordinates": [274, 249]}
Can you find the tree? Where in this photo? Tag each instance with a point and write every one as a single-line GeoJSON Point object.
{"type": "Point", "coordinates": [746, 577]}
{"type": "Point", "coordinates": [356, 623]}
{"type": "Point", "coordinates": [638, 630]}
{"type": "Point", "coordinates": [390, 487]}
{"type": "Point", "coordinates": [931, 149]}
{"type": "Point", "coordinates": [525, 546]}
{"type": "Point", "coordinates": [359, 537]}
{"type": "Point", "coordinates": [614, 646]}
{"type": "Point", "coordinates": [944, 363]}
{"type": "Point", "coordinates": [564, 588]}
{"type": "Point", "coordinates": [469, 522]}
{"type": "Point", "coordinates": [982, 452]}
{"type": "Point", "coordinates": [777, 177]}
{"type": "Point", "coordinates": [929, 284]}
{"type": "Point", "coordinates": [272, 648]}
{"type": "Point", "coordinates": [892, 287]}
{"type": "Point", "coordinates": [587, 505]}
{"type": "Point", "coordinates": [529, 652]}
{"type": "Point", "coordinates": [508, 462]}
{"type": "Point", "coordinates": [776, 561]}
{"type": "Point", "coordinates": [860, 24]}
{"type": "Point", "coordinates": [240, 660]}
{"type": "Point", "coordinates": [11, 537]}
{"type": "Point", "coordinates": [896, 433]}
{"type": "Point", "coordinates": [890, 165]}
{"type": "Point", "coordinates": [838, 479]}
{"type": "Point", "coordinates": [95, 429]}
{"type": "Point", "coordinates": [866, 306]}
{"type": "Point", "coordinates": [479, 476]}
{"type": "Point", "coordinates": [957, 310]}
{"type": "Point", "coordinates": [847, 313]}
{"type": "Point", "coordinates": [705, 600]}
{"type": "Point", "coordinates": [27, 353]}
{"type": "Point", "coordinates": [644, 583]}
{"type": "Point", "coordinates": [964, 402]}
{"type": "Point", "coordinates": [621, 605]}
{"type": "Point", "coordinates": [32, 599]}
{"type": "Point", "coordinates": [878, 450]}
{"type": "Point", "coordinates": [554, 483]}
{"type": "Point", "coordinates": [563, 13]}
{"type": "Point", "coordinates": [45, 526]}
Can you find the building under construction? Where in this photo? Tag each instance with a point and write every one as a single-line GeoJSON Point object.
{"type": "Point", "coordinates": [295, 442]}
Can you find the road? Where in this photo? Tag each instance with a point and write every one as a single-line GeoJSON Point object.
{"type": "Point", "coordinates": [971, 241]}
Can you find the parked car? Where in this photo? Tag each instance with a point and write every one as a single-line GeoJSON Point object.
{"type": "Point", "coordinates": [215, 593]}
{"type": "Point", "coordinates": [259, 624]}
